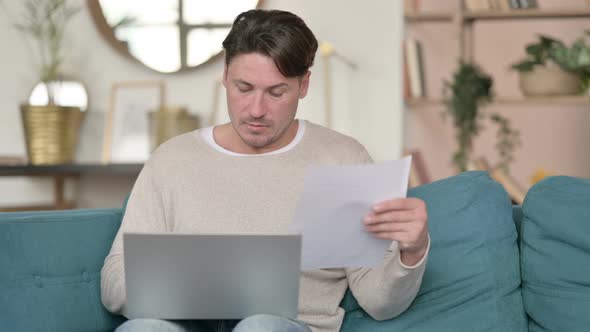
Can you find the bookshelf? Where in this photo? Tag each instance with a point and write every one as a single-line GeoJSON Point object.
{"type": "Point", "coordinates": [469, 17]}
{"type": "Point", "coordinates": [553, 128]}
{"type": "Point", "coordinates": [463, 21]}
{"type": "Point", "coordinates": [429, 16]}
{"type": "Point", "coordinates": [548, 101]}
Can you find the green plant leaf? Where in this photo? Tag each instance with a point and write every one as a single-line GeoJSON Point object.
{"type": "Point", "coordinates": [526, 65]}
{"type": "Point", "coordinates": [45, 22]}
{"type": "Point", "coordinates": [535, 51]}
{"type": "Point", "coordinates": [584, 57]}
{"type": "Point", "coordinates": [548, 42]}
{"type": "Point", "coordinates": [470, 88]}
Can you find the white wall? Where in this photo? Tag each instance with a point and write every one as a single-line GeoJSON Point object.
{"type": "Point", "coordinates": [367, 101]}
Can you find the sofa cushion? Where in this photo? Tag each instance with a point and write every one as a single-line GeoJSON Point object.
{"type": "Point", "coordinates": [472, 277]}
{"type": "Point", "coordinates": [518, 217]}
{"type": "Point", "coordinates": [50, 266]}
{"type": "Point", "coordinates": [555, 244]}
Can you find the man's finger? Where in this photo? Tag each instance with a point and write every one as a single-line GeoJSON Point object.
{"type": "Point", "coordinates": [394, 236]}
{"type": "Point", "coordinates": [386, 227]}
{"type": "Point", "coordinates": [398, 204]}
{"type": "Point", "coordinates": [390, 216]}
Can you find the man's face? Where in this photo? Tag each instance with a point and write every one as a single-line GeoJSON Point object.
{"type": "Point", "coordinates": [262, 102]}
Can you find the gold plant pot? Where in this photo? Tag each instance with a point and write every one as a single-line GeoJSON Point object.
{"type": "Point", "coordinates": [168, 122]}
{"type": "Point", "coordinates": [51, 133]}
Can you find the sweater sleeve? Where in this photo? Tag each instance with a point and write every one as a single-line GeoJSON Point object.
{"type": "Point", "coordinates": [144, 213]}
{"type": "Point", "coordinates": [388, 290]}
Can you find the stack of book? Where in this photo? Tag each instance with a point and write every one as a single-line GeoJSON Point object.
{"type": "Point", "coordinates": [498, 5]}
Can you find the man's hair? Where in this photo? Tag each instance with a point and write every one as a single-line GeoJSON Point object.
{"type": "Point", "coordinates": [281, 35]}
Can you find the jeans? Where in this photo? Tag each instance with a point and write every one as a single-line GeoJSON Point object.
{"type": "Point", "coordinates": [262, 323]}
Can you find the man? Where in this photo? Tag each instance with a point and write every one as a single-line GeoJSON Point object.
{"type": "Point", "coordinates": [246, 176]}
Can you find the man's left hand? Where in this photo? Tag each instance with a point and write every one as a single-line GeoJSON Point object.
{"type": "Point", "coordinates": [404, 220]}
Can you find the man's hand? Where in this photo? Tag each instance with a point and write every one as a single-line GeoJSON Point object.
{"type": "Point", "coordinates": [403, 220]}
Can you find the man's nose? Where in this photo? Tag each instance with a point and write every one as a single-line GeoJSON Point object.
{"type": "Point", "coordinates": [258, 107]}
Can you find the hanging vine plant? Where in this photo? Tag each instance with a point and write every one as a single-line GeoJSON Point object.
{"type": "Point", "coordinates": [470, 89]}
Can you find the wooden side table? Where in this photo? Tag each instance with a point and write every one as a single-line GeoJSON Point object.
{"type": "Point", "coordinates": [59, 174]}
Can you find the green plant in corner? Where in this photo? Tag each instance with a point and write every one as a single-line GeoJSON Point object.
{"type": "Point", "coordinates": [45, 22]}
{"type": "Point", "coordinates": [470, 89]}
{"type": "Point", "coordinates": [547, 50]}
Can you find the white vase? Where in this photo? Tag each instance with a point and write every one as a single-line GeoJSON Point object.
{"type": "Point", "coordinates": [549, 81]}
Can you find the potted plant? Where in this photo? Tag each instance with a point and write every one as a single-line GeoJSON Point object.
{"type": "Point", "coordinates": [553, 68]}
{"type": "Point", "coordinates": [51, 131]}
{"type": "Point", "coordinates": [470, 89]}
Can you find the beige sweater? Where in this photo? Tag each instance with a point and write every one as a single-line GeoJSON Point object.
{"type": "Point", "coordinates": [188, 186]}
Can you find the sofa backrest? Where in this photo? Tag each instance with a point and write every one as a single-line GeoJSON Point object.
{"type": "Point", "coordinates": [50, 266]}
{"type": "Point", "coordinates": [472, 277]}
{"type": "Point", "coordinates": [555, 254]}
{"type": "Point", "coordinates": [50, 263]}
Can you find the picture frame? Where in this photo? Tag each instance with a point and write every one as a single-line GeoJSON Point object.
{"type": "Point", "coordinates": [126, 131]}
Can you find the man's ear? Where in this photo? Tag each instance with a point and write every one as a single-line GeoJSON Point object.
{"type": "Point", "coordinates": [304, 85]}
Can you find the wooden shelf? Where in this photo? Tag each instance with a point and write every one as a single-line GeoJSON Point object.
{"type": "Point", "coordinates": [469, 17]}
{"type": "Point", "coordinates": [429, 16]}
{"type": "Point", "coordinates": [424, 102]}
{"type": "Point", "coordinates": [526, 13]}
{"type": "Point", "coordinates": [70, 169]}
{"type": "Point", "coordinates": [59, 174]}
{"type": "Point", "coordinates": [563, 100]}
{"type": "Point", "coordinates": [509, 101]}
{"type": "Point", "coordinates": [464, 19]}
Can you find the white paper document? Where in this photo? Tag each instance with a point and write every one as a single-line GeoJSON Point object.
{"type": "Point", "coordinates": [331, 209]}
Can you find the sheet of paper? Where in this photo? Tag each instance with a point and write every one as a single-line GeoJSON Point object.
{"type": "Point", "coordinates": [331, 209]}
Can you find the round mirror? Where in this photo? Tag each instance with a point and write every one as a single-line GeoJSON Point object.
{"type": "Point", "coordinates": [65, 93]}
{"type": "Point", "coordinates": [167, 35]}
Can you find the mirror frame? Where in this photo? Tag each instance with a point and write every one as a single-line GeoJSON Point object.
{"type": "Point", "coordinates": [108, 34]}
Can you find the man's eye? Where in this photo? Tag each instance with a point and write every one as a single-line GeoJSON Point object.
{"type": "Point", "coordinates": [244, 89]}
{"type": "Point", "coordinates": [276, 94]}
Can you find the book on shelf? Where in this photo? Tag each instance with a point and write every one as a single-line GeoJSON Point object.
{"type": "Point", "coordinates": [525, 4]}
{"type": "Point", "coordinates": [411, 6]}
{"type": "Point", "coordinates": [514, 4]}
{"type": "Point", "coordinates": [477, 5]}
{"type": "Point", "coordinates": [494, 5]}
{"type": "Point", "coordinates": [414, 64]}
{"type": "Point", "coordinates": [407, 93]}
{"type": "Point", "coordinates": [498, 5]}
{"type": "Point", "coordinates": [503, 5]}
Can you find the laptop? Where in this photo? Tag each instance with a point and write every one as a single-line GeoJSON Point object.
{"type": "Point", "coordinates": [211, 276]}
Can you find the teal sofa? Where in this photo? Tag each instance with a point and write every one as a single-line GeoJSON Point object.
{"type": "Point", "coordinates": [492, 266]}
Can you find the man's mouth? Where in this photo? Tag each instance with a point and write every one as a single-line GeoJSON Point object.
{"type": "Point", "coordinates": [256, 126]}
